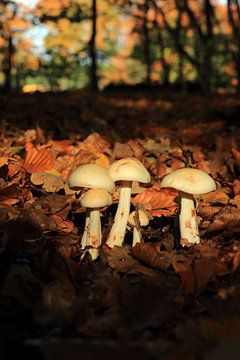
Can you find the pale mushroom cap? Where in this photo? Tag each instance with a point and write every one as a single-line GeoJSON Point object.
{"type": "Point", "coordinates": [143, 218]}
{"type": "Point", "coordinates": [190, 181]}
{"type": "Point", "coordinates": [95, 198]}
{"type": "Point", "coordinates": [129, 169]}
{"type": "Point", "coordinates": [91, 176]}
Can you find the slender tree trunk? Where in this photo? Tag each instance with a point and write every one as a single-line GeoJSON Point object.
{"type": "Point", "coordinates": [165, 66]}
{"type": "Point", "coordinates": [234, 21]}
{"type": "Point", "coordinates": [208, 46]}
{"type": "Point", "coordinates": [92, 49]}
{"type": "Point", "coordinates": [147, 53]}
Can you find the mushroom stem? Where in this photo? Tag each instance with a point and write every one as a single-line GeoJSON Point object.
{"type": "Point", "coordinates": [188, 219]}
{"type": "Point", "coordinates": [117, 233]}
{"type": "Point", "coordinates": [94, 233]}
{"type": "Point", "coordinates": [85, 233]}
{"type": "Point", "coordinates": [137, 236]}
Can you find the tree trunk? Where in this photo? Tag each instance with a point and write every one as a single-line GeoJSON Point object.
{"type": "Point", "coordinates": [92, 49]}
{"type": "Point", "coordinates": [165, 66]}
{"type": "Point", "coordinates": [234, 21]}
{"type": "Point", "coordinates": [147, 55]}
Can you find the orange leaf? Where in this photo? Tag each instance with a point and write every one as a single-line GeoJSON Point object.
{"type": "Point", "coordinates": [158, 199]}
{"type": "Point", "coordinates": [102, 160]}
{"type": "Point", "coordinates": [98, 143]}
{"type": "Point", "coordinates": [3, 161]}
{"type": "Point", "coordinates": [38, 160]}
{"type": "Point", "coordinates": [62, 146]}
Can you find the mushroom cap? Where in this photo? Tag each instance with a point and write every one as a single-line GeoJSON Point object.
{"type": "Point", "coordinates": [143, 218]}
{"type": "Point", "coordinates": [129, 169]}
{"type": "Point", "coordinates": [95, 198]}
{"type": "Point", "coordinates": [91, 176]}
{"type": "Point", "coordinates": [190, 181]}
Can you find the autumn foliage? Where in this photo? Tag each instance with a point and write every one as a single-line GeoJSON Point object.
{"type": "Point", "coordinates": [189, 44]}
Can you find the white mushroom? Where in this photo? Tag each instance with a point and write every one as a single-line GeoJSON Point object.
{"type": "Point", "coordinates": [94, 199]}
{"type": "Point", "coordinates": [126, 171]}
{"type": "Point", "coordinates": [136, 219]}
{"type": "Point", "coordinates": [90, 176]}
{"type": "Point", "coordinates": [189, 182]}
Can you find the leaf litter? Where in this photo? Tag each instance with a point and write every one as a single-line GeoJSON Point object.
{"type": "Point", "coordinates": [148, 296]}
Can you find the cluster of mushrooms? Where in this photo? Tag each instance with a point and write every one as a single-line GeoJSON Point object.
{"type": "Point", "coordinates": [98, 185]}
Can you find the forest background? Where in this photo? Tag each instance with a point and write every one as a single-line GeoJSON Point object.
{"type": "Point", "coordinates": [95, 43]}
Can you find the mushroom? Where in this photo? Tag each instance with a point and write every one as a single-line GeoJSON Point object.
{"type": "Point", "coordinates": [126, 171]}
{"type": "Point", "coordinates": [137, 219]}
{"type": "Point", "coordinates": [90, 176]}
{"type": "Point", "coordinates": [189, 182]}
{"type": "Point", "coordinates": [94, 199]}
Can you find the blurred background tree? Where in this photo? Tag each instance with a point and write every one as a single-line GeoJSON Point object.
{"type": "Point", "coordinates": [96, 43]}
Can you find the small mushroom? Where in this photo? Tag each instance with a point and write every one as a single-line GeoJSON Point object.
{"type": "Point", "coordinates": [189, 182]}
{"type": "Point", "coordinates": [92, 200]}
{"type": "Point", "coordinates": [126, 171]}
{"type": "Point", "coordinates": [137, 219]}
{"type": "Point", "coordinates": [90, 176]}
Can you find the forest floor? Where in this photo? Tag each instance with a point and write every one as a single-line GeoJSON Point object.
{"type": "Point", "coordinates": [157, 300]}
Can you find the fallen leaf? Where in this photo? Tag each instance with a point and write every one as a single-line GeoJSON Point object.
{"type": "Point", "coordinates": [226, 220]}
{"type": "Point", "coordinates": [3, 161]}
{"type": "Point", "coordinates": [197, 271]}
{"type": "Point", "coordinates": [38, 160]}
{"type": "Point", "coordinates": [65, 226]}
{"type": "Point", "coordinates": [119, 259]}
{"type": "Point", "coordinates": [147, 254]}
{"type": "Point", "coordinates": [98, 142]}
{"type": "Point", "coordinates": [13, 194]}
{"type": "Point", "coordinates": [50, 183]}
{"type": "Point", "coordinates": [161, 200]}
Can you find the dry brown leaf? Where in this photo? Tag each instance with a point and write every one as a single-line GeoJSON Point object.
{"type": "Point", "coordinates": [50, 182]}
{"type": "Point", "coordinates": [184, 269]}
{"type": "Point", "coordinates": [13, 169]}
{"type": "Point", "coordinates": [64, 165]}
{"type": "Point", "coordinates": [236, 156]}
{"type": "Point", "coordinates": [84, 156]}
{"type": "Point", "coordinates": [64, 226]}
{"type": "Point", "coordinates": [137, 149]}
{"type": "Point", "coordinates": [3, 161]}
{"type": "Point", "coordinates": [154, 199]}
{"type": "Point", "coordinates": [98, 143]}
{"type": "Point", "coordinates": [121, 150]}
{"type": "Point", "coordinates": [236, 187]}
{"type": "Point", "coordinates": [119, 258]}
{"type": "Point", "coordinates": [38, 159]}
{"type": "Point", "coordinates": [61, 146]}
{"type": "Point", "coordinates": [197, 271]}
{"type": "Point", "coordinates": [227, 220]}
{"type": "Point", "coordinates": [148, 254]}
{"type": "Point", "coordinates": [218, 196]}
{"type": "Point", "coordinates": [235, 201]}
{"type": "Point", "coordinates": [207, 211]}
{"type": "Point", "coordinates": [12, 194]}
